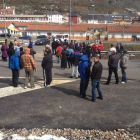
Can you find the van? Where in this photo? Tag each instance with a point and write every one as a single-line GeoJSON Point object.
{"type": "Point", "coordinates": [62, 37]}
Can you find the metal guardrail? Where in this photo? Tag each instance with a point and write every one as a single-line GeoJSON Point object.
{"type": "Point", "coordinates": [130, 52]}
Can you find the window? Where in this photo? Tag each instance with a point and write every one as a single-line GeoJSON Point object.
{"type": "Point", "coordinates": [81, 34]}
{"type": "Point", "coordinates": [72, 34]}
{"type": "Point", "coordinates": [113, 36]}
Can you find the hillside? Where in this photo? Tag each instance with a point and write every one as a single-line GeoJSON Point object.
{"type": "Point", "coordinates": [80, 6]}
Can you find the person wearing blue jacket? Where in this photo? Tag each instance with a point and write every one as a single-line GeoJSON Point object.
{"type": "Point", "coordinates": [84, 70]}
{"type": "Point", "coordinates": [15, 67]}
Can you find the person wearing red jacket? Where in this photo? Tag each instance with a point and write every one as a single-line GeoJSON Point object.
{"type": "Point", "coordinates": [94, 49]}
{"type": "Point", "coordinates": [58, 52]}
{"type": "Point", "coordinates": [100, 48]}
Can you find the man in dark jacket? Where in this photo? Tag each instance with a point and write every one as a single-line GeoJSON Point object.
{"type": "Point", "coordinates": [10, 50]}
{"type": "Point", "coordinates": [95, 78]}
{"type": "Point", "coordinates": [54, 47]}
{"type": "Point", "coordinates": [113, 65]}
{"type": "Point", "coordinates": [75, 61]}
{"type": "Point", "coordinates": [47, 67]}
{"type": "Point", "coordinates": [119, 48]}
{"type": "Point", "coordinates": [84, 70]}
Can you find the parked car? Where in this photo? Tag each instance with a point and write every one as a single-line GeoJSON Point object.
{"type": "Point", "coordinates": [42, 41]}
{"type": "Point", "coordinates": [3, 35]}
{"type": "Point", "coordinates": [41, 36]}
{"type": "Point", "coordinates": [62, 37]}
{"type": "Point", "coordinates": [25, 37]}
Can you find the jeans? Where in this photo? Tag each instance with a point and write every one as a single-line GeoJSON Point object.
{"type": "Point", "coordinates": [124, 79]}
{"type": "Point", "coordinates": [72, 70]}
{"type": "Point", "coordinates": [83, 86]}
{"type": "Point", "coordinates": [15, 76]}
{"type": "Point", "coordinates": [96, 84]}
{"type": "Point", "coordinates": [93, 53]}
{"type": "Point", "coordinates": [29, 74]}
{"type": "Point", "coordinates": [59, 58]}
{"type": "Point", "coordinates": [100, 54]}
{"type": "Point", "coordinates": [110, 74]}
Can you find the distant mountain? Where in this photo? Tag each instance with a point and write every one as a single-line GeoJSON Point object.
{"type": "Point", "coordinates": [80, 6]}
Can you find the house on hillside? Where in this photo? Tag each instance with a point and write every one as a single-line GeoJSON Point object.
{"type": "Point", "coordinates": [55, 17]}
{"type": "Point", "coordinates": [106, 19]}
{"type": "Point", "coordinates": [131, 32]}
{"type": "Point", "coordinates": [8, 11]}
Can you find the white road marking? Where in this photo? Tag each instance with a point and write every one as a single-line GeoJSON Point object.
{"type": "Point", "coordinates": [8, 91]}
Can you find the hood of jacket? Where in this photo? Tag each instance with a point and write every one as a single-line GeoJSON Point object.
{"type": "Point", "coordinates": [26, 51]}
{"type": "Point", "coordinates": [17, 53]}
{"type": "Point", "coordinates": [84, 58]}
{"type": "Point", "coordinates": [127, 55]}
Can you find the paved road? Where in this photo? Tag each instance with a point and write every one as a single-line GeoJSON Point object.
{"type": "Point", "coordinates": [60, 106]}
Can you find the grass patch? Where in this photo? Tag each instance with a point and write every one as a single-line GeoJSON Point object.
{"type": "Point", "coordinates": [128, 47]}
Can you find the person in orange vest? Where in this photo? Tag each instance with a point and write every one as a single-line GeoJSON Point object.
{"type": "Point", "coordinates": [100, 48]}
{"type": "Point", "coordinates": [94, 49]}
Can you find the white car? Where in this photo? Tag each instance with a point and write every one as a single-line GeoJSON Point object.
{"type": "Point", "coordinates": [62, 37]}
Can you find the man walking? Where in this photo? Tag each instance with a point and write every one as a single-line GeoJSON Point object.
{"type": "Point", "coordinates": [28, 63]}
{"type": "Point", "coordinates": [95, 78]}
{"type": "Point", "coordinates": [100, 48]}
{"type": "Point", "coordinates": [113, 66]}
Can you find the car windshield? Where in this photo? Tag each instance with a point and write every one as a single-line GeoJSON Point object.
{"type": "Point", "coordinates": [42, 39]}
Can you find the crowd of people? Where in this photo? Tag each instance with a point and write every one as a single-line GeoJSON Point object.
{"type": "Point", "coordinates": [76, 55]}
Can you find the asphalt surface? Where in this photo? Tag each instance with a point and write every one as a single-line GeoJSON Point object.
{"type": "Point", "coordinates": [60, 106]}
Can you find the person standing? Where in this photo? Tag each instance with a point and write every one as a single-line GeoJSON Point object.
{"type": "Point", "coordinates": [94, 49]}
{"type": "Point", "coordinates": [88, 50]}
{"type": "Point", "coordinates": [64, 58]}
{"type": "Point", "coordinates": [95, 78]}
{"type": "Point", "coordinates": [47, 65]}
{"type": "Point", "coordinates": [32, 51]}
{"type": "Point", "coordinates": [10, 51]}
{"type": "Point", "coordinates": [28, 63]}
{"type": "Point", "coordinates": [53, 47]}
{"type": "Point", "coordinates": [100, 48]}
{"type": "Point", "coordinates": [113, 67]}
{"type": "Point", "coordinates": [65, 43]}
{"type": "Point", "coordinates": [75, 45]}
{"type": "Point", "coordinates": [75, 61]}
{"type": "Point", "coordinates": [15, 67]}
{"type": "Point", "coordinates": [112, 48]}
{"type": "Point", "coordinates": [123, 64]}
{"type": "Point", "coordinates": [70, 52]}
{"type": "Point", "coordinates": [58, 52]}
{"type": "Point", "coordinates": [4, 49]}
{"type": "Point", "coordinates": [119, 48]}
{"type": "Point", "coordinates": [30, 43]}
{"type": "Point", "coordinates": [84, 71]}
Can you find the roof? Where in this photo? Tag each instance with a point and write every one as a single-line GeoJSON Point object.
{"type": "Point", "coordinates": [82, 28]}
{"type": "Point", "coordinates": [7, 15]}
{"type": "Point", "coordinates": [54, 13]}
{"type": "Point", "coordinates": [127, 28]}
{"type": "Point", "coordinates": [108, 17]}
{"type": "Point", "coordinates": [2, 25]}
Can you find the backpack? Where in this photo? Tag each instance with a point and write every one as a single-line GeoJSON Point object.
{"type": "Point", "coordinates": [58, 53]}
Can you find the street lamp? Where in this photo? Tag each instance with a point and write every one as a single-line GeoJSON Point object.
{"type": "Point", "coordinates": [123, 26]}
{"type": "Point", "coordinates": [4, 18]}
{"type": "Point", "coordinates": [93, 19]}
{"type": "Point", "coordinates": [51, 22]}
{"type": "Point", "coordinates": [35, 23]}
{"type": "Point", "coordinates": [70, 24]}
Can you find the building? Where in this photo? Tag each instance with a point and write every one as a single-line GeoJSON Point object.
{"type": "Point", "coordinates": [131, 32]}
{"type": "Point", "coordinates": [55, 18]}
{"type": "Point", "coordinates": [106, 19]}
{"type": "Point", "coordinates": [8, 11]}
{"type": "Point", "coordinates": [24, 18]}
{"type": "Point", "coordinates": [74, 18]}
{"type": "Point", "coordinates": [10, 28]}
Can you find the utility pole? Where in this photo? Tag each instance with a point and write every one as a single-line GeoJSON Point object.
{"type": "Point", "coordinates": [93, 21]}
{"type": "Point", "coordinates": [123, 27]}
{"type": "Point", "coordinates": [70, 24]}
{"type": "Point", "coordinates": [35, 23]}
{"type": "Point", "coordinates": [4, 18]}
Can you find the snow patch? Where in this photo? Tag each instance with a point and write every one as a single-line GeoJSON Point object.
{"type": "Point", "coordinates": [32, 137]}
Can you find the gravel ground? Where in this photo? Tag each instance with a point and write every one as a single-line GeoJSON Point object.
{"type": "Point", "coordinates": [69, 134]}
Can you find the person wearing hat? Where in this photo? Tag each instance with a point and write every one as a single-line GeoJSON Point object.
{"type": "Point", "coordinates": [123, 64]}
{"type": "Point", "coordinates": [95, 78]}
